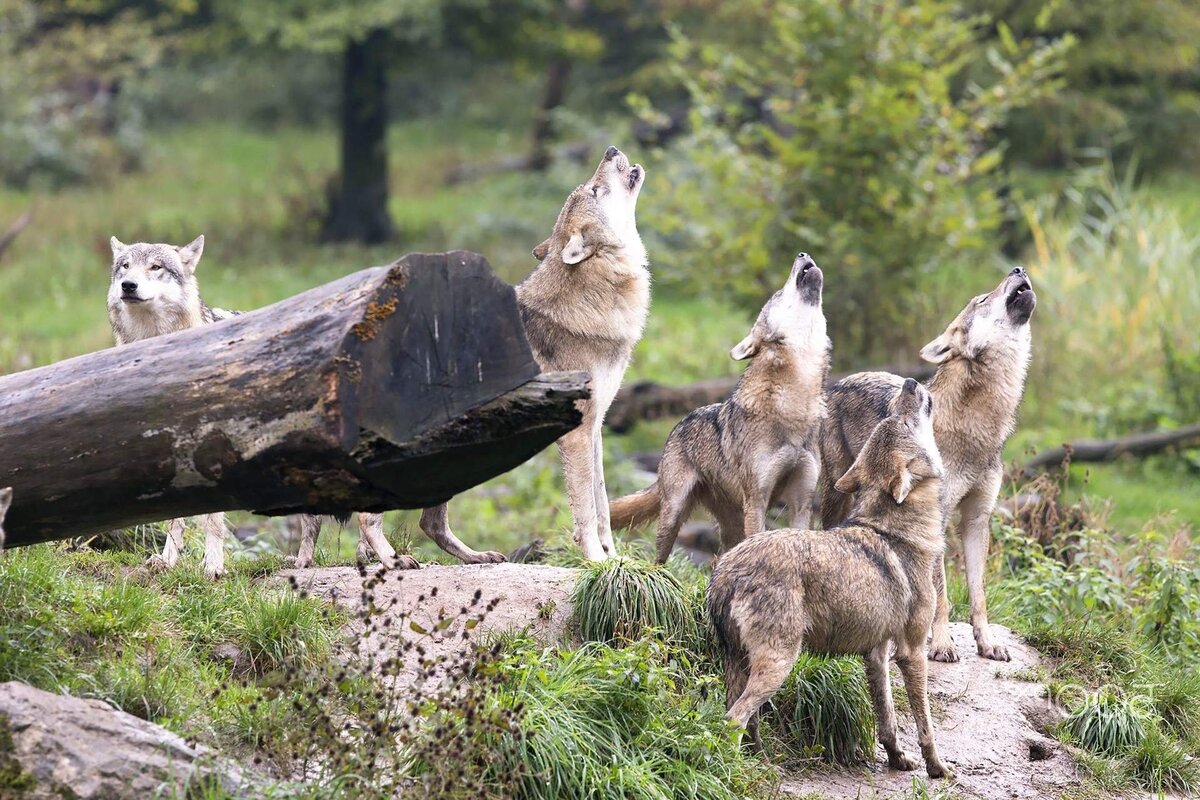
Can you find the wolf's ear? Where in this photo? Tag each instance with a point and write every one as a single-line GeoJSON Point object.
{"type": "Point", "coordinates": [577, 250]}
{"type": "Point", "coordinates": [5, 501]}
{"type": "Point", "coordinates": [849, 483]}
{"type": "Point", "coordinates": [902, 484]}
{"type": "Point", "coordinates": [116, 244]}
{"type": "Point", "coordinates": [190, 253]}
{"type": "Point", "coordinates": [938, 350]}
{"type": "Point", "coordinates": [541, 250]}
{"type": "Point", "coordinates": [746, 348]}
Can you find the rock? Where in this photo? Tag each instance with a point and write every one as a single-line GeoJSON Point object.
{"type": "Point", "coordinates": [986, 718]}
{"type": "Point", "coordinates": [54, 746]}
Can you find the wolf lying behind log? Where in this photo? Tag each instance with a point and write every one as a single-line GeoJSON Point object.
{"type": "Point", "coordinates": [862, 587]}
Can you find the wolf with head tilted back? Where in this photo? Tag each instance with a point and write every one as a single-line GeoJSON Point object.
{"type": "Point", "coordinates": [584, 308]}
{"type": "Point", "coordinates": [761, 444]}
{"type": "Point", "coordinates": [864, 587]}
{"type": "Point", "coordinates": [153, 291]}
{"type": "Point", "coordinates": [982, 359]}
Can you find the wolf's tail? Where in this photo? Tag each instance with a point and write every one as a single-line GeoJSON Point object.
{"type": "Point", "coordinates": [637, 508]}
{"type": "Point", "coordinates": [728, 638]}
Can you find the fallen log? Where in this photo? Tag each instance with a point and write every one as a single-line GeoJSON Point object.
{"type": "Point", "coordinates": [1100, 450]}
{"type": "Point", "coordinates": [394, 387]}
{"type": "Point", "coordinates": [645, 400]}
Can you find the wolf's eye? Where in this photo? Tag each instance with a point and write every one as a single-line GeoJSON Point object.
{"type": "Point", "coordinates": [595, 191]}
{"type": "Point", "coordinates": [155, 267]}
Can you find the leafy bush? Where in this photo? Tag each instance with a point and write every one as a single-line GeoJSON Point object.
{"type": "Point", "coordinates": [618, 599]}
{"type": "Point", "coordinates": [826, 709]}
{"type": "Point", "coordinates": [857, 131]}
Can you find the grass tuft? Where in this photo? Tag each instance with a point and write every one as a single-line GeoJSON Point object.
{"type": "Point", "coordinates": [825, 708]}
{"type": "Point", "coordinates": [618, 599]}
{"type": "Point", "coordinates": [1107, 724]}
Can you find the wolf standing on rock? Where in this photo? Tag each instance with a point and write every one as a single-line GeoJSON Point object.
{"type": "Point", "coordinates": [761, 444]}
{"type": "Point", "coordinates": [862, 587]}
{"type": "Point", "coordinates": [584, 308]}
{"type": "Point", "coordinates": [982, 359]}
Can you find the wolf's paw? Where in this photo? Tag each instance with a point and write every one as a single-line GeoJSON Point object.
{"type": "Point", "coordinates": [996, 652]}
{"type": "Point", "coordinates": [902, 761]}
{"type": "Point", "coordinates": [214, 573]}
{"type": "Point", "coordinates": [295, 562]}
{"type": "Point", "coordinates": [945, 652]}
{"type": "Point", "coordinates": [405, 562]}
{"type": "Point", "coordinates": [486, 557]}
{"type": "Point", "coordinates": [936, 769]}
{"type": "Point", "coordinates": [157, 563]}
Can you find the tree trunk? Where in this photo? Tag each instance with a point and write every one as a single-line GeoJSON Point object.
{"type": "Point", "coordinates": [1094, 451]}
{"type": "Point", "coordinates": [543, 119]}
{"type": "Point", "coordinates": [359, 203]}
{"type": "Point", "coordinates": [394, 387]}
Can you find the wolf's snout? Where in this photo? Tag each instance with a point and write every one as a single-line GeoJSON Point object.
{"type": "Point", "coordinates": [129, 287]}
{"type": "Point", "coordinates": [611, 153]}
{"type": "Point", "coordinates": [1017, 271]}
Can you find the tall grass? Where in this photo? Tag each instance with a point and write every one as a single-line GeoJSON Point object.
{"type": "Point", "coordinates": [619, 599]}
{"type": "Point", "coordinates": [826, 710]}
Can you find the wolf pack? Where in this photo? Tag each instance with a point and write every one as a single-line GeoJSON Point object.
{"type": "Point", "coordinates": [892, 462]}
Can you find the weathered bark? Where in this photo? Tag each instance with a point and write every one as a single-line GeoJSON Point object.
{"type": "Point", "coordinates": [1100, 450]}
{"type": "Point", "coordinates": [646, 400]}
{"type": "Point", "coordinates": [394, 387]}
{"type": "Point", "coordinates": [359, 205]}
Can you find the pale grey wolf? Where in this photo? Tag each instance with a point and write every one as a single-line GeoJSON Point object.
{"type": "Point", "coordinates": [5, 502]}
{"type": "Point", "coordinates": [982, 359]}
{"type": "Point", "coordinates": [584, 308]}
{"type": "Point", "coordinates": [863, 587]}
{"type": "Point", "coordinates": [370, 535]}
{"type": "Point", "coordinates": [153, 291]}
{"type": "Point", "coordinates": [760, 445]}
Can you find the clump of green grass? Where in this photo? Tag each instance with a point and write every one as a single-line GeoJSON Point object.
{"type": "Point", "coordinates": [618, 599]}
{"type": "Point", "coordinates": [825, 709]}
{"type": "Point", "coordinates": [1160, 764]}
{"type": "Point", "coordinates": [282, 630]}
{"type": "Point", "coordinates": [1107, 724]}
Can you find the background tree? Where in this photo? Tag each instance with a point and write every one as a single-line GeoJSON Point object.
{"type": "Point", "coordinates": [848, 129]}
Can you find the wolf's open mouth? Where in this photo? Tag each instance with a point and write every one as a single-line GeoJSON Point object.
{"type": "Point", "coordinates": [129, 298]}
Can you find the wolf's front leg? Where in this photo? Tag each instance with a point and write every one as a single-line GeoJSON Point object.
{"type": "Point", "coordinates": [214, 544]}
{"type": "Point", "coordinates": [370, 531]}
{"type": "Point", "coordinates": [575, 450]}
{"type": "Point", "coordinates": [975, 532]}
{"type": "Point", "coordinates": [914, 670]}
{"type": "Point", "coordinates": [876, 663]}
{"type": "Point", "coordinates": [941, 646]}
{"type": "Point", "coordinates": [600, 492]}
{"type": "Point", "coordinates": [172, 548]}
{"type": "Point", "coordinates": [305, 527]}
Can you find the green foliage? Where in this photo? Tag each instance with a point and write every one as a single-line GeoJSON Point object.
{"type": "Point", "coordinates": [1131, 83]}
{"type": "Point", "coordinates": [825, 708]}
{"type": "Point", "coordinates": [1160, 764]}
{"type": "Point", "coordinates": [281, 631]}
{"type": "Point", "coordinates": [1106, 723]}
{"type": "Point", "coordinates": [616, 600]}
{"type": "Point", "coordinates": [846, 129]}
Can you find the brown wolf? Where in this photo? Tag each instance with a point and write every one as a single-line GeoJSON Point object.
{"type": "Point", "coordinates": [863, 587]}
{"type": "Point", "coordinates": [584, 308]}
{"type": "Point", "coordinates": [761, 444]}
{"type": "Point", "coordinates": [982, 360]}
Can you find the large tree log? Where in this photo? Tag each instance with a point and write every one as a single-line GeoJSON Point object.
{"type": "Point", "coordinates": [1100, 450]}
{"type": "Point", "coordinates": [646, 400]}
{"type": "Point", "coordinates": [394, 387]}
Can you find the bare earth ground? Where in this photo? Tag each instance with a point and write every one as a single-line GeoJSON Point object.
{"type": "Point", "coordinates": [982, 710]}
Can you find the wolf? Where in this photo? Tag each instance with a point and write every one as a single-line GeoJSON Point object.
{"type": "Point", "coordinates": [153, 290]}
{"type": "Point", "coordinates": [982, 360]}
{"type": "Point", "coordinates": [863, 587]}
{"type": "Point", "coordinates": [5, 502]}
{"type": "Point", "coordinates": [371, 538]}
{"type": "Point", "coordinates": [584, 307]}
{"type": "Point", "coordinates": [761, 444]}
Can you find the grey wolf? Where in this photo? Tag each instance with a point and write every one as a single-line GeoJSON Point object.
{"type": "Point", "coordinates": [863, 587]}
{"type": "Point", "coordinates": [584, 308]}
{"type": "Point", "coordinates": [370, 535]}
{"type": "Point", "coordinates": [982, 359]}
{"type": "Point", "coordinates": [153, 291]}
{"type": "Point", "coordinates": [761, 444]}
{"type": "Point", "coordinates": [5, 502]}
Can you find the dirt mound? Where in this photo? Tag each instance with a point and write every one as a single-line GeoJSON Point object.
{"type": "Point", "coordinates": [986, 714]}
